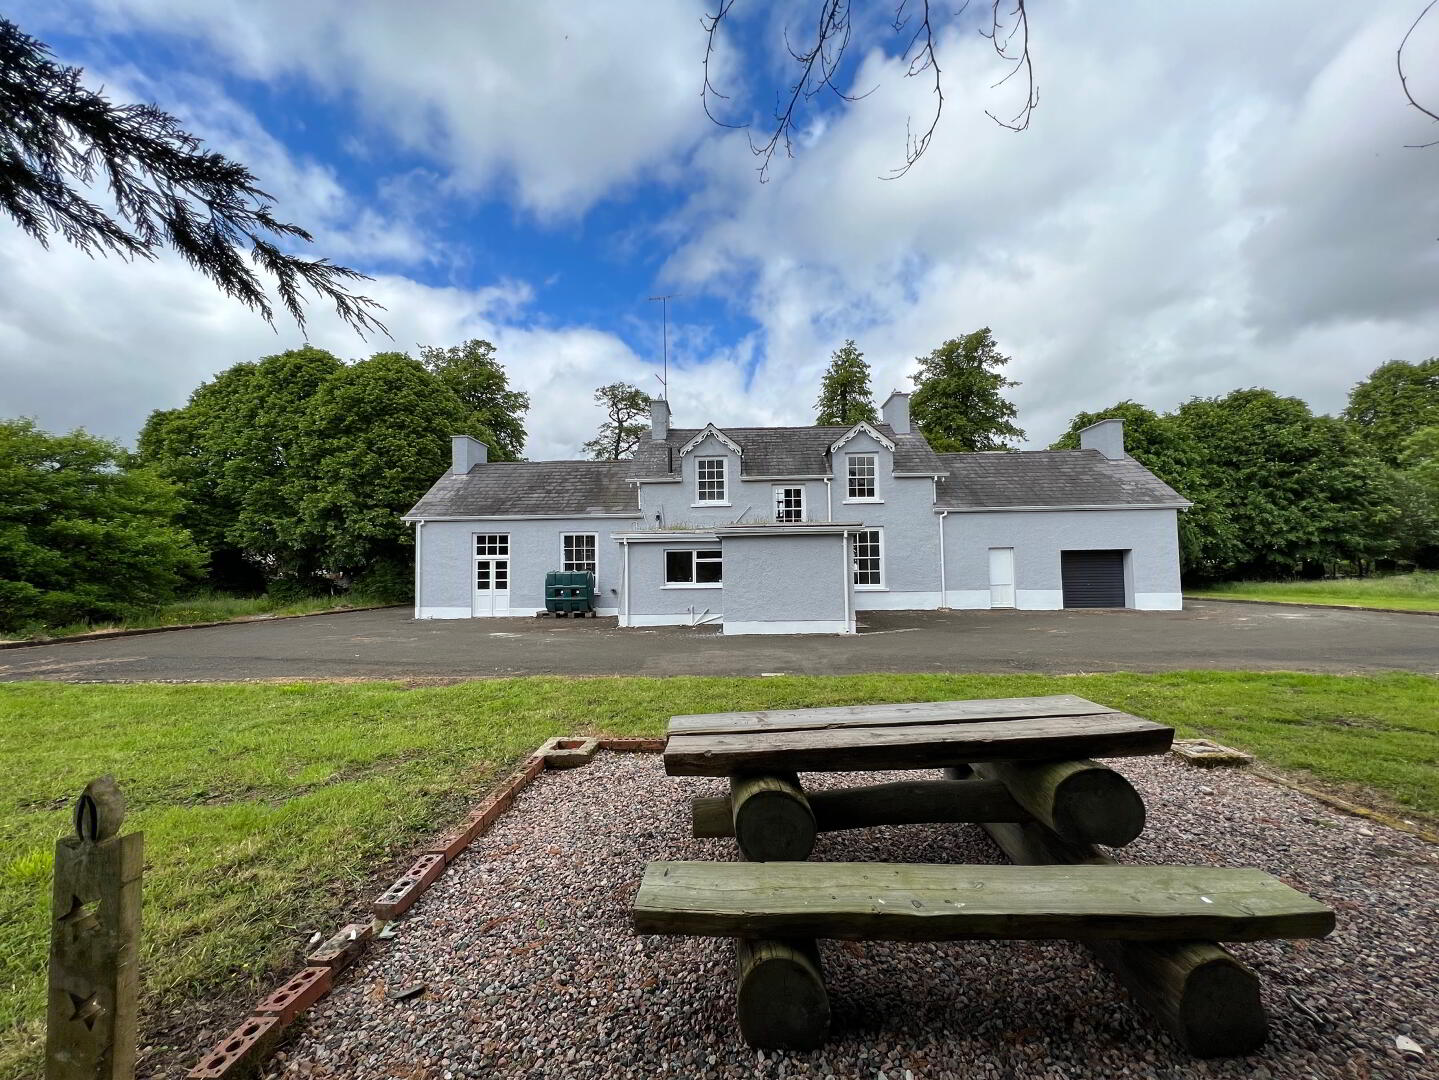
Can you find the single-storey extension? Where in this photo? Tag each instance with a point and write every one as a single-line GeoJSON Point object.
{"type": "Point", "coordinates": [795, 529]}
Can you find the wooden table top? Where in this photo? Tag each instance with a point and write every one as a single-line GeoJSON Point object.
{"type": "Point", "coordinates": [921, 735]}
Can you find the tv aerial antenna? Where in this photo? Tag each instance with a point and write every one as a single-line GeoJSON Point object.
{"type": "Point", "coordinates": [664, 380]}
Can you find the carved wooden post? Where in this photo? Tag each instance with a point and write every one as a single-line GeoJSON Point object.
{"type": "Point", "coordinates": [94, 943]}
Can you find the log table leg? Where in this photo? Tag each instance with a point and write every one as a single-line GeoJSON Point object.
{"type": "Point", "coordinates": [773, 821]}
{"type": "Point", "coordinates": [1197, 990]}
{"type": "Point", "coordinates": [1084, 802]}
{"type": "Point", "coordinates": [781, 998]}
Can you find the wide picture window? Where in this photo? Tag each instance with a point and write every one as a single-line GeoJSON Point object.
{"type": "Point", "coordinates": [702, 567]}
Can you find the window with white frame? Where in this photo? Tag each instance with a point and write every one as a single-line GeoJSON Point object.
{"type": "Point", "coordinates": [789, 504]}
{"type": "Point", "coordinates": [699, 567]}
{"type": "Point", "coordinates": [578, 551]}
{"type": "Point", "coordinates": [710, 480]}
{"type": "Point", "coordinates": [867, 553]}
{"type": "Point", "coordinates": [492, 545]}
{"type": "Point", "coordinates": [862, 470]}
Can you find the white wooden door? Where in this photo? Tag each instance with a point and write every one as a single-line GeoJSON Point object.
{"type": "Point", "coordinates": [491, 578]}
{"type": "Point", "coordinates": [1001, 577]}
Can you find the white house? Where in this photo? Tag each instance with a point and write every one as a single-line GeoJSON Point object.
{"type": "Point", "coordinates": [795, 529]}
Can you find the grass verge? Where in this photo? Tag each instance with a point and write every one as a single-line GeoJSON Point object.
{"type": "Point", "coordinates": [1418, 591]}
{"type": "Point", "coordinates": [204, 608]}
{"type": "Point", "coordinates": [267, 809]}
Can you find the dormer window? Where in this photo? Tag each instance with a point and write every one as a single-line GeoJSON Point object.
{"type": "Point", "coordinates": [863, 469]}
{"type": "Point", "coordinates": [710, 481]}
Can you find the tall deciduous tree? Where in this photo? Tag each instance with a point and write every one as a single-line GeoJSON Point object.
{"type": "Point", "coordinates": [83, 535]}
{"type": "Point", "coordinates": [959, 401]}
{"type": "Point", "coordinates": [497, 413]}
{"type": "Point", "coordinates": [1395, 401]}
{"type": "Point", "coordinates": [59, 139]}
{"type": "Point", "coordinates": [626, 408]}
{"type": "Point", "coordinates": [844, 393]}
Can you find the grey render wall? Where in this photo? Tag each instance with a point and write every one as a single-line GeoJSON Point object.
{"type": "Point", "coordinates": [446, 562]}
{"type": "Point", "coordinates": [1038, 537]}
{"type": "Point", "coordinates": [652, 602]}
{"type": "Point", "coordinates": [785, 584]}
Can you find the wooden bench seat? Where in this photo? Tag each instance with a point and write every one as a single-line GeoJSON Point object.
{"type": "Point", "coordinates": [901, 902]}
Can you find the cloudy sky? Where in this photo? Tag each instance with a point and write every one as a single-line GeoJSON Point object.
{"type": "Point", "coordinates": [1210, 196]}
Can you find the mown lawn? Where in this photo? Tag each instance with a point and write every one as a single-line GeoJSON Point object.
{"type": "Point", "coordinates": [1412, 592]}
{"type": "Point", "coordinates": [268, 808]}
{"type": "Point", "coordinates": [205, 607]}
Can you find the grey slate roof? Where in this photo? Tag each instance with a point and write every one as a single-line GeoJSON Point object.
{"type": "Point", "coordinates": [1050, 478]}
{"type": "Point", "coordinates": [503, 488]}
{"type": "Point", "coordinates": [781, 451]}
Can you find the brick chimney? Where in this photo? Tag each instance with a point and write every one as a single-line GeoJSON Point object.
{"type": "Point", "coordinates": [466, 452]}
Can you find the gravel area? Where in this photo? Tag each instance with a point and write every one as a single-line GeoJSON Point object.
{"type": "Point", "coordinates": [530, 968]}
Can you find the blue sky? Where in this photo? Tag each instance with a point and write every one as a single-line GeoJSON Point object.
{"type": "Point", "coordinates": [1194, 208]}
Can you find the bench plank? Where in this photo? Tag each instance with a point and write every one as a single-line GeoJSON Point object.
{"type": "Point", "coordinates": [922, 902]}
{"type": "Point", "coordinates": [921, 746]}
{"type": "Point", "coordinates": [919, 712]}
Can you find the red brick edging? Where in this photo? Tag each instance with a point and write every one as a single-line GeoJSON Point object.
{"type": "Point", "coordinates": [244, 1050]}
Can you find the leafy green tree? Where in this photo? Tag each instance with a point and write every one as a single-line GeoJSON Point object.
{"type": "Point", "coordinates": [1395, 401]}
{"type": "Point", "coordinates": [958, 401]}
{"type": "Point", "coordinates": [844, 394]}
{"type": "Point", "coordinates": [626, 409]}
{"type": "Point", "coordinates": [83, 535]}
{"type": "Point", "coordinates": [373, 438]}
{"type": "Point", "coordinates": [497, 413]}
{"type": "Point", "coordinates": [60, 141]}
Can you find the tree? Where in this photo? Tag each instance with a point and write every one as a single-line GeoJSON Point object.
{"type": "Point", "coordinates": [59, 140]}
{"type": "Point", "coordinates": [83, 535]}
{"type": "Point", "coordinates": [818, 59]}
{"type": "Point", "coordinates": [625, 407]}
{"type": "Point", "coordinates": [373, 438]}
{"type": "Point", "coordinates": [1395, 401]}
{"type": "Point", "coordinates": [844, 394]}
{"type": "Point", "coordinates": [957, 403]}
{"type": "Point", "coordinates": [475, 377]}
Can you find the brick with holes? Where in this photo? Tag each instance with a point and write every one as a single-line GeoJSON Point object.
{"type": "Point", "coordinates": [239, 1053]}
{"type": "Point", "coordinates": [311, 984]}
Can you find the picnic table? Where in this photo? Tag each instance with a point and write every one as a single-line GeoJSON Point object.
{"type": "Point", "coordinates": [1023, 768]}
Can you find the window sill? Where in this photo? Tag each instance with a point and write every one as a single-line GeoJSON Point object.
{"type": "Point", "coordinates": [699, 505]}
{"type": "Point", "coordinates": [871, 588]}
{"type": "Point", "coordinates": [701, 585]}
{"type": "Point", "coordinates": [876, 500]}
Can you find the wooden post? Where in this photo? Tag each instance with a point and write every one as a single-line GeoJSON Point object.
{"type": "Point", "coordinates": [781, 999]}
{"type": "Point", "coordinates": [1084, 802]}
{"type": "Point", "coordinates": [772, 818]}
{"type": "Point", "coordinates": [94, 943]}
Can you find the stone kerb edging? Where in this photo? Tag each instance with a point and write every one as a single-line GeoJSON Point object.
{"type": "Point", "coordinates": [243, 1051]}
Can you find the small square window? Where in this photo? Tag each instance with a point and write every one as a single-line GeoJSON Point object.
{"type": "Point", "coordinates": [862, 470]}
{"type": "Point", "coordinates": [492, 544]}
{"type": "Point", "coordinates": [789, 504]}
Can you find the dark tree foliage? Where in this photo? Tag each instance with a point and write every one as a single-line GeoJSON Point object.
{"type": "Point", "coordinates": [84, 535]}
{"type": "Point", "coordinates": [844, 393]}
{"type": "Point", "coordinates": [818, 51]}
{"type": "Point", "coordinates": [60, 140]}
{"type": "Point", "coordinates": [958, 401]}
{"type": "Point", "coordinates": [497, 413]}
{"type": "Point", "coordinates": [626, 409]}
{"type": "Point", "coordinates": [1395, 401]}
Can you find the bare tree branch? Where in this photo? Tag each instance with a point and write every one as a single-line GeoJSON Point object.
{"type": "Point", "coordinates": [1404, 82]}
{"type": "Point", "coordinates": [1002, 37]}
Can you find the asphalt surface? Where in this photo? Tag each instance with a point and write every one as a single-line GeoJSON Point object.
{"type": "Point", "coordinates": [390, 644]}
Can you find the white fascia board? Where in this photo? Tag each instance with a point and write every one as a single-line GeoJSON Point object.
{"type": "Point", "coordinates": [578, 515]}
{"type": "Point", "coordinates": [1043, 509]}
{"type": "Point", "coordinates": [863, 426]}
{"type": "Point", "coordinates": [818, 528]}
{"type": "Point", "coordinates": [674, 536]}
{"type": "Point", "coordinates": [655, 480]}
{"type": "Point", "coordinates": [706, 432]}
{"type": "Point", "coordinates": [806, 476]}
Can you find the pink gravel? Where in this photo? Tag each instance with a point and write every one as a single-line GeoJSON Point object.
{"type": "Point", "coordinates": [531, 969]}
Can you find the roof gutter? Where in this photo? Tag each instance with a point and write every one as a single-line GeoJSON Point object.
{"type": "Point", "coordinates": [1076, 506]}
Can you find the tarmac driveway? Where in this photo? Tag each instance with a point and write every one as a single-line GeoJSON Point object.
{"type": "Point", "coordinates": [390, 644]}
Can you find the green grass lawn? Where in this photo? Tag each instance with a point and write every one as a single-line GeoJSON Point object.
{"type": "Point", "coordinates": [208, 607]}
{"type": "Point", "coordinates": [1413, 592]}
{"type": "Point", "coordinates": [268, 808]}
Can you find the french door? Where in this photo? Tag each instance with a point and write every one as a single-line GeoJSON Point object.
{"type": "Point", "coordinates": [491, 575]}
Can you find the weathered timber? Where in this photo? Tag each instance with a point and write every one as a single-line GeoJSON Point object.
{"type": "Point", "coordinates": [772, 818]}
{"type": "Point", "coordinates": [901, 902]}
{"type": "Point", "coordinates": [929, 746]}
{"type": "Point", "coordinates": [920, 712]}
{"type": "Point", "coordinates": [780, 998]}
{"type": "Point", "coordinates": [1205, 998]}
{"type": "Point", "coordinates": [94, 943]}
{"type": "Point", "coordinates": [1083, 801]}
{"type": "Point", "coordinates": [907, 802]}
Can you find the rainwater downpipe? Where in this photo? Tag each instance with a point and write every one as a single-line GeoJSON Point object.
{"type": "Point", "coordinates": [419, 562]}
{"type": "Point", "coordinates": [845, 579]}
{"type": "Point", "coordinates": [828, 500]}
{"type": "Point", "coordinates": [626, 621]}
{"type": "Point", "coordinates": [943, 591]}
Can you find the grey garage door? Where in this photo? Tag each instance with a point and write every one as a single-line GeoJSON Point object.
{"type": "Point", "coordinates": [1092, 578]}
